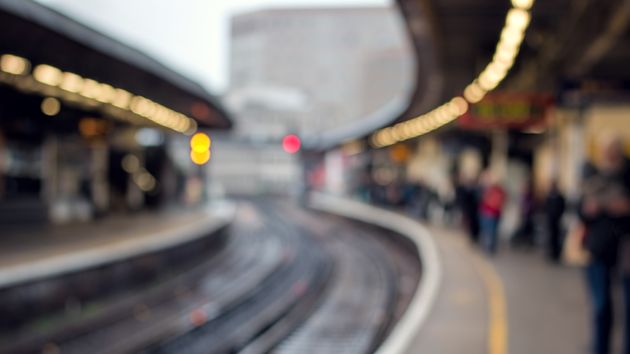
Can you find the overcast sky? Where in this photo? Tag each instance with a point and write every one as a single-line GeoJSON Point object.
{"type": "Point", "coordinates": [189, 35]}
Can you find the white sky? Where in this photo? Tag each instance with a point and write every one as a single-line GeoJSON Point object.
{"type": "Point", "coordinates": [191, 36]}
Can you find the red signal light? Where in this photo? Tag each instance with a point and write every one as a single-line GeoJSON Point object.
{"type": "Point", "coordinates": [291, 143]}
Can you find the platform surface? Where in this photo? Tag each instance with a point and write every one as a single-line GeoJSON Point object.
{"type": "Point", "coordinates": [515, 302]}
{"type": "Point", "coordinates": [42, 252]}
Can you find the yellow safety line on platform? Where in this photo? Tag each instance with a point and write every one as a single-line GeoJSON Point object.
{"type": "Point", "coordinates": [498, 326]}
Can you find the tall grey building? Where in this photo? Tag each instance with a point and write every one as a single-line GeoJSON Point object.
{"type": "Point", "coordinates": [310, 70]}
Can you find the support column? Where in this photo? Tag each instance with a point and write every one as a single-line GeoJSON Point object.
{"type": "Point", "coordinates": [50, 171]}
{"type": "Point", "coordinates": [98, 179]}
{"type": "Point", "coordinates": [499, 154]}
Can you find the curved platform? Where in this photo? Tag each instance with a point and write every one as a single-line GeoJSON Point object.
{"type": "Point", "coordinates": [515, 302]}
{"type": "Point", "coordinates": [49, 252]}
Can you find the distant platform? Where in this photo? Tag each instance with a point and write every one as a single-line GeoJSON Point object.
{"type": "Point", "coordinates": [51, 251]}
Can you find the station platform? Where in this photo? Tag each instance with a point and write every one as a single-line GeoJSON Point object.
{"type": "Point", "coordinates": [41, 252]}
{"type": "Point", "coordinates": [515, 302]}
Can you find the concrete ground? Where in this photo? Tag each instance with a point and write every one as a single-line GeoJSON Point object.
{"type": "Point", "coordinates": [33, 252]}
{"type": "Point", "coordinates": [515, 302]}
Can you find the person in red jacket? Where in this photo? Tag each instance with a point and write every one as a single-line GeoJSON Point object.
{"type": "Point", "coordinates": [490, 210]}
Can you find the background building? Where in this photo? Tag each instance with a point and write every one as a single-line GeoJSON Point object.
{"type": "Point", "coordinates": [305, 71]}
{"type": "Point", "coordinates": [315, 70]}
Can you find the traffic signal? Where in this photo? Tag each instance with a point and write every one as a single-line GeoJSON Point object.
{"type": "Point", "coordinates": [291, 144]}
{"type": "Point", "coordinates": [200, 148]}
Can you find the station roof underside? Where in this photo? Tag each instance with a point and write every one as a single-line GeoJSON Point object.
{"type": "Point", "coordinates": [45, 36]}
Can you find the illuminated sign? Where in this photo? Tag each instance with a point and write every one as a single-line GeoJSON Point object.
{"type": "Point", "coordinates": [508, 110]}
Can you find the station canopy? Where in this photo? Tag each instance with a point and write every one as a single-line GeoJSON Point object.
{"type": "Point", "coordinates": [567, 43]}
{"type": "Point", "coordinates": [94, 66]}
{"type": "Point", "coordinates": [575, 51]}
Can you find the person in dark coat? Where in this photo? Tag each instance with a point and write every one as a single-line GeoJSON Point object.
{"type": "Point", "coordinates": [554, 209]}
{"type": "Point", "coordinates": [525, 234]}
{"type": "Point", "coordinates": [624, 258]}
{"type": "Point", "coordinates": [467, 193]}
{"type": "Point", "coordinates": [604, 211]}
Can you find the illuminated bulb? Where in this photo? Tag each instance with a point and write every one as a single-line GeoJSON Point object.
{"type": "Point", "coordinates": [50, 106]}
{"type": "Point", "coordinates": [379, 139]}
{"type": "Point", "coordinates": [432, 120]}
{"type": "Point", "coordinates": [421, 131]}
{"type": "Point", "coordinates": [497, 71]}
{"type": "Point", "coordinates": [403, 131]}
{"type": "Point", "coordinates": [135, 103]}
{"type": "Point", "coordinates": [130, 163]}
{"type": "Point", "coordinates": [505, 49]}
{"type": "Point", "coordinates": [502, 66]}
{"type": "Point", "coordinates": [192, 127]}
{"type": "Point", "coordinates": [13, 64]}
{"type": "Point", "coordinates": [523, 4]}
{"type": "Point", "coordinates": [512, 37]}
{"type": "Point", "coordinates": [106, 93]}
{"type": "Point", "coordinates": [409, 129]}
{"type": "Point", "coordinates": [474, 93]}
{"type": "Point", "coordinates": [185, 125]}
{"type": "Point", "coordinates": [425, 123]}
{"type": "Point", "coordinates": [179, 126]}
{"type": "Point", "coordinates": [472, 97]}
{"type": "Point", "coordinates": [145, 181]}
{"type": "Point", "coordinates": [395, 134]}
{"type": "Point", "coordinates": [161, 116]}
{"type": "Point", "coordinates": [417, 126]}
{"type": "Point", "coordinates": [91, 89]}
{"type": "Point", "coordinates": [389, 141]}
{"type": "Point", "coordinates": [121, 99]}
{"type": "Point", "coordinates": [384, 139]}
{"type": "Point", "coordinates": [71, 82]}
{"type": "Point", "coordinates": [505, 57]}
{"type": "Point", "coordinates": [168, 119]}
{"type": "Point", "coordinates": [475, 99]}
{"type": "Point", "coordinates": [47, 74]}
{"type": "Point", "coordinates": [374, 141]}
{"type": "Point", "coordinates": [518, 19]}
{"type": "Point", "coordinates": [458, 106]}
{"type": "Point", "coordinates": [491, 77]}
{"type": "Point", "coordinates": [444, 114]}
{"type": "Point", "coordinates": [438, 118]}
{"type": "Point", "coordinates": [387, 134]}
{"type": "Point", "coordinates": [400, 131]}
{"type": "Point", "coordinates": [143, 107]}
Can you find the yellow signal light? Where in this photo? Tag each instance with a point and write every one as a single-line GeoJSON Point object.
{"type": "Point", "coordinates": [200, 142]}
{"type": "Point", "coordinates": [200, 158]}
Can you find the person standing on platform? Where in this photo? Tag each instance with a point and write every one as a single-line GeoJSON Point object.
{"type": "Point", "coordinates": [554, 209]}
{"type": "Point", "coordinates": [604, 211]}
{"type": "Point", "coordinates": [468, 198]}
{"type": "Point", "coordinates": [625, 274]}
{"type": "Point", "coordinates": [490, 210]}
{"type": "Point", "coordinates": [525, 234]}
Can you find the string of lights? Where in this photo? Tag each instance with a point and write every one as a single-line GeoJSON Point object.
{"type": "Point", "coordinates": [508, 47]}
{"type": "Point", "coordinates": [74, 89]}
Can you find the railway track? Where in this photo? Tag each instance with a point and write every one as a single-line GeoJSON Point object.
{"type": "Point", "coordinates": [288, 281]}
{"type": "Point", "coordinates": [374, 280]}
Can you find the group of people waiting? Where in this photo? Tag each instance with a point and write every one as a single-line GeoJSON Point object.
{"type": "Point", "coordinates": [482, 201]}
{"type": "Point", "coordinates": [603, 229]}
